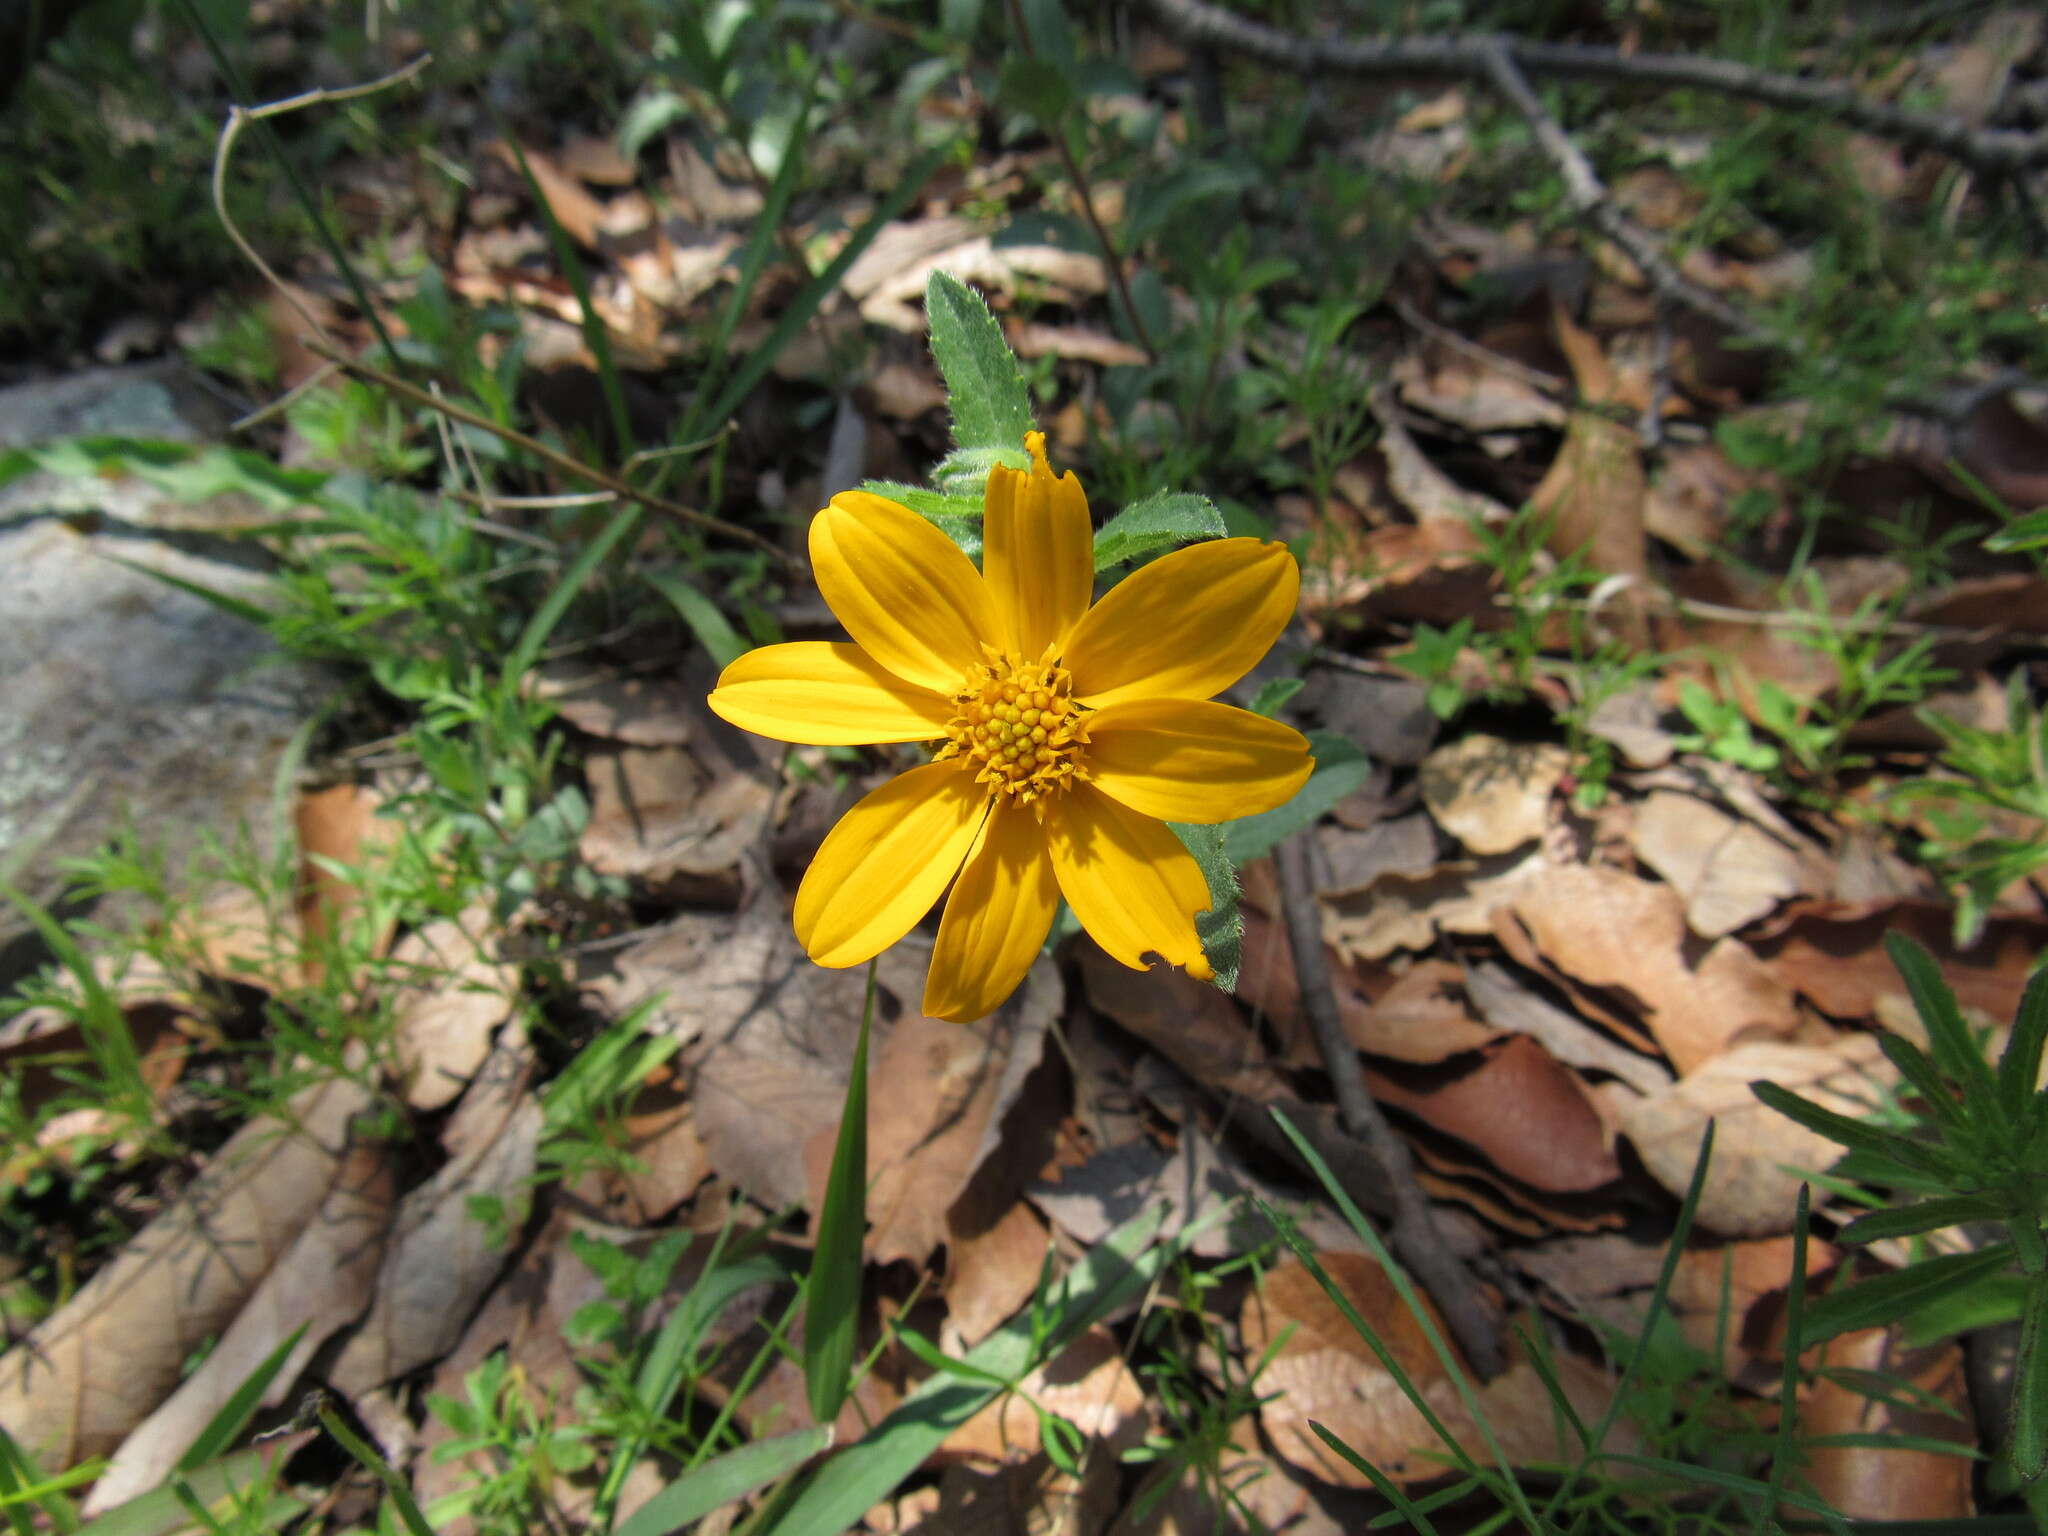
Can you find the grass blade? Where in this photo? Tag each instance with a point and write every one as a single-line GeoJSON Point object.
{"type": "Point", "coordinates": [832, 1290]}
{"type": "Point", "coordinates": [725, 1478]}
{"type": "Point", "coordinates": [234, 1414]}
{"type": "Point", "coordinates": [549, 614]}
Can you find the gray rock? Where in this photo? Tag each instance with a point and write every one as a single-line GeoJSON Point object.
{"type": "Point", "coordinates": [122, 698]}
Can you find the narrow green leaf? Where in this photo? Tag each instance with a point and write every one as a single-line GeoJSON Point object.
{"type": "Point", "coordinates": [836, 1494]}
{"type": "Point", "coordinates": [1984, 1303]}
{"type": "Point", "coordinates": [721, 642]}
{"type": "Point", "coordinates": [724, 1479]}
{"type": "Point", "coordinates": [159, 1512]}
{"type": "Point", "coordinates": [1784, 1453]}
{"type": "Point", "coordinates": [1850, 1133]}
{"type": "Point", "coordinates": [1948, 1037]}
{"type": "Point", "coordinates": [223, 1428]}
{"type": "Point", "coordinates": [2029, 532]}
{"type": "Point", "coordinates": [1413, 1518]}
{"type": "Point", "coordinates": [2020, 1067]}
{"type": "Point", "coordinates": [832, 1291]}
{"type": "Point", "coordinates": [1918, 1069]}
{"type": "Point", "coordinates": [1222, 926]}
{"type": "Point", "coordinates": [1884, 1298]}
{"type": "Point", "coordinates": [984, 386]}
{"type": "Point", "coordinates": [226, 602]}
{"type": "Point", "coordinates": [2026, 1441]}
{"type": "Point", "coordinates": [370, 1460]}
{"type": "Point", "coordinates": [1340, 770]}
{"type": "Point", "coordinates": [550, 612]}
{"type": "Point", "coordinates": [1923, 1216]}
{"type": "Point", "coordinates": [1158, 522]}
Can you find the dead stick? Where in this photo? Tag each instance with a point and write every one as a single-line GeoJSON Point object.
{"type": "Point", "coordinates": [1588, 194]}
{"type": "Point", "coordinates": [1413, 1234]}
{"type": "Point", "coordinates": [567, 464]}
{"type": "Point", "coordinates": [1997, 150]}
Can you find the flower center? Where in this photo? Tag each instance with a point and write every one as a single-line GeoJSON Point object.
{"type": "Point", "coordinates": [1020, 729]}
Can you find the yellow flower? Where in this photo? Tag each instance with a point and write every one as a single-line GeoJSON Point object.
{"type": "Point", "coordinates": [1068, 734]}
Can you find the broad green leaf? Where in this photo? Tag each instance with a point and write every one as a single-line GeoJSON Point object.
{"type": "Point", "coordinates": [832, 1290]}
{"type": "Point", "coordinates": [1158, 522]}
{"type": "Point", "coordinates": [723, 1479]}
{"type": "Point", "coordinates": [963, 473]}
{"type": "Point", "coordinates": [1222, 926]}
{"type": "Point", "coordinates": [958, 517]}
{"type": "Point", "coordinates": [1035, 88]}
{"type": "Point", "coordinates": [1340, 769]}
{"type": "Point", "coordinates": [984, 387]}
{"type": "Point", "coordinates": [1886, 1298]}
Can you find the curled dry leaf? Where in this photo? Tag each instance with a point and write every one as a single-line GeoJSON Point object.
{"type": "Point", "coordinates": [1832, 953]}
{"type": "Point", "coordinates": [1402, 911]}
{"type": "Point", "coordinates": [1730, 872]}
{"type": "Point", "coordinates": [1492, 795]}
{"type": "Point", "coordinates": [1612, 930]}
{"type": "Point", "coordinates": [1595, 490]}
{"type": "Point", "coordinates": [1874, 1481]}
{"type": "Point", "coordinates": [1503, 1000]}
{"type": "Point", "coordinates": [1749, 1191]}
{"type": "Point", "coordinates": [84, 1378]}
{"type": "Point", "coordinates": [1326, 1373]}
{"type": "Point", "coordinates": [1527, 1114]}
{"type": "Point", "coordinates": [322, 1283]}
{"type": "Point", "coordinates": [453, 993]}
{"type": "Point", "coordinates": [655, 817]}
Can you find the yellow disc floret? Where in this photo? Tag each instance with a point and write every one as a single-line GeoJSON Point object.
{"type": "Point", "coordinates": [1017, 726]}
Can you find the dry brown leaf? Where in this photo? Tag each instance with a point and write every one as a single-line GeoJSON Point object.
{"type": "Point", "coordinates": [339, 825]}
{"type": "Point", "coordinates": [1609, 929]}
{"type": "Point", "coordinates": [1729, 872]}
{"type": "Point", "coordinates": [654, 711]}
{"type": "Point", "coordinates": [1402, 911]}
{"type": "Point", "coordinates": [701, 971]}
{"type": "Point", "coordinates": [321, 1283]}
{"type": "Point", "coordinates": [443, 1254]}
{"type": "Point", "coordinates": [1506, 1003]}
{"type": "Point", "coordinates": [659, 1133]}
{"type": "Point", "coordinates": [1832, 954]}
{"type": "Point", "coordinates": [89, 1374]}
{"type": "Point", "coordinates": [1527, 1114]}
{"type": "Point", "coordinates": [1873, 1482]}
{"type": "Point", "coordinates": [1423, 1017]}
{"type": "Point", "coordinates": [1326, 1373]}
{"type": "Point", "coordinates": [1078, 343]}
{"type": "Point", "coordinates": [1748, 1192]}
{"type": "Point", "coordinates": [1199, 1029]}
{"type": "Point", "coordinates": [941, 1090]}
{"type": "Point", "coordinates": [1454, 386]}
{"type": "Point", "coordinates": [453, 993]}
{"type": "Point", "coordinates": [580, 215]}
{"type": "Point", "coordinates": [234, 934]}
{"type": "Point", "coordinates": [1595, 491]}
{"type": "Point", "coordinates": [654, 817]}
{"type": "Point", "coordinates": [1087, 1384]}
{"type": "Point", "coordinates": [1425, 490]}
{"type": "Point", "coordinates": [991, 1272]}
{"type": "Point", "coordinates": [1492, 795]}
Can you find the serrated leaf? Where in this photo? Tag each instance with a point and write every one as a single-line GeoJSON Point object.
{"type": "Point", "coordinates": [1340, 769]}
{"type": "Point", "coordinates": [1922, 1216]}
{"type": "Point", "coordinates": [1158, 522]}
{"type": "Point", "coordinates": [984, 387]}
{"type": "Point", "coordinates": [1222, 926]}
{"type": "Point", "coordinates": [956, 516]}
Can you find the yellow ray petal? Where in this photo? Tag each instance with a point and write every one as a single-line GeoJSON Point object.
{"type": "Point", "coordinates": [1038, 550]}
{"type": "Point", "coordinates": [826, 694]}
{"type": "Point", "coordinates": [1186, 626]}
{"type": "Point", "coordinates": [1190, 760]}
{"type": "Point", "coordinates": [886, 862]}
{"type": "Point", "coordinates": [1000, 911]}
{"type": "Point", "coordinates": [1129, 881]}
{"type": "Point", "coordinates": [904, 591]}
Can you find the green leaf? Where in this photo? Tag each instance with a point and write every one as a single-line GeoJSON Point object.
{"type": "Point", "coordinates": [1222, 926]}
{"type": "Point", "coordinates": [723, 1479]}
{"type": "Point", "coordinates": [963, 473]}
{"type": "Point", "coordinates": [159, 1512]}
{"type": "Point", "coordinates": [956, 516]}
{"type": "Point", "coordinates": [2020, 1067]}
{"type": "Point", "coordinates": [2029, 532]}
{"type": "Point", "coordinates": [1036, 88]}
{"type": "Point", "coordinates": [832, 1290]}
{"type": "Point", "coordinates": [1885, 1298]}
{"type": "Point", "coordinates": [1983, 1303]}
{"type": "Point", "coordinates": [1850, 1133]}
{"type": "Point", "coordinates": [2026, 1447]}
{"type": "Point", "coordinates": [1948, 1037]}
{"type": "Point", "coordinates": [1923, 1216]}
{"type": "Point", "coordinates": [550, 612]}
{"type": "Point", "coordinates": [984, 387]}
{"type": "Point", "coordinates": [1340, 770]}
{"type": "Point", "coordinates": [1158, 522]}
{"type": "Point", "coordinates": [222, 1429]}
{"type": "Point", "coordinates": [1273, 695]}
{"type": "Point", "coordinates": [1118, 1269]}
{"type": "Point", "coordinates": [711, 627]}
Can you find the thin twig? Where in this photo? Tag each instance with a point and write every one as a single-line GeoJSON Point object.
{"type": "Point", "coordinates": [239, 117]}
{"type": "Point", "coordinates": [1111, 258]}
{"type": "Point", "coordinates": [1588, 194]}
{"type": "Point", "coordinates": [1413, 1233]}
{"type": "Point", "coordinates": [567, 464]}
{"type": "Point", "coordinates": [1536, 378]}
{"type": "Point", "coordinates": [1466, 56]}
